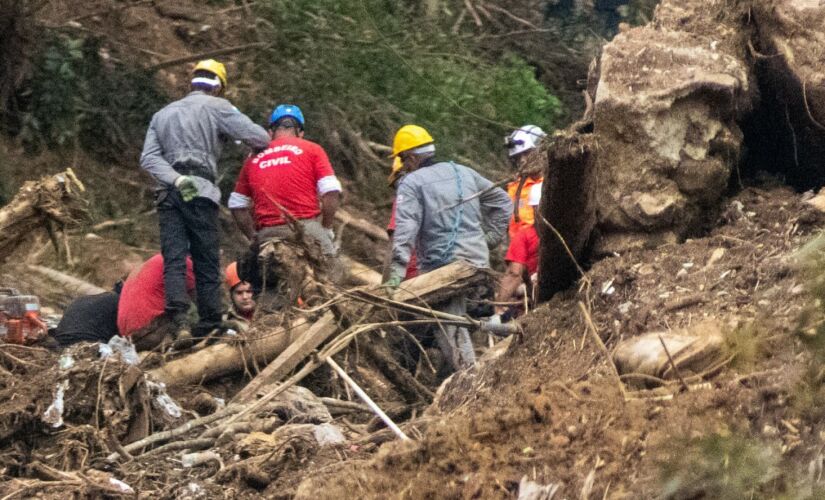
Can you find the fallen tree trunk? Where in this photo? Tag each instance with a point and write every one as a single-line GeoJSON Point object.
{"type": "Point", "coordinates": [362, 225]}
{"type": "Point", "coordinates": [51, 200]}
{"type": "Point", "coordinates": [264, 345]}
{"type": "Point", "coordinates": [359, 273]}
{"type": "Point", "coordinates": [71, 284]}
{"type": "Point", "coordinates": [222, 359]}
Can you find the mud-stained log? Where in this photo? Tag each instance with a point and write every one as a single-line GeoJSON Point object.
{"type": "Point", "coordinates": [568, 204]}
{"type": "Point", "coordinates": [56, 199]}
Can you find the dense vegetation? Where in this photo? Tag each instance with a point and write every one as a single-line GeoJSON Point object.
{"type": "Point", "coordinates": [359, 68]}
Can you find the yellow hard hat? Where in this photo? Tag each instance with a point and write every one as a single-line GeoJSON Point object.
{"type": "Point", "coordinates": [214, 67]}
{"type": "Point", "coordinates": [395, 171]}
{"type": "Point", "coordinates": [410, 137]}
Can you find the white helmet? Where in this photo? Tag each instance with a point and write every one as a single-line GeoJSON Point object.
{"type": "Point", "coordinates": [524, 139]}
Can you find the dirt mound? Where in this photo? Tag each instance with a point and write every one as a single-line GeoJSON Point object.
{"type": "Point", "coordinates": [550, 409]}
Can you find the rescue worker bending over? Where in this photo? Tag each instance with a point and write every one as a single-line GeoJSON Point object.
{"type": "Point", "coordinates": [182, 147]}
{"type": "Point", "coordinates": [433, 219]}
{"type": "Point", "coordinates": [242, 304]}
{"type": "Point", "coordinates": [142, 313]}
{"type": "Point", "coordinates": [522, 264]}
{"type": "Point", "coordinates": [293, 176]}
{"type": "Point", "coordinates": [521, 148]}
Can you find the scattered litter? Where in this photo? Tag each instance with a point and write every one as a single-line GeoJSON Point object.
{"type": "Point", "coordinates": [608, 288]}
{"type": "Point", "coordinates": [65, 362]}
{"type": "Point", "coordinates": [687, 265]}
{"type": "Point", "coordinates": [54, 413]}
{"type": "Point", "coordinates": [531, 490]}
{"type": "Point", "coordinates": [163, 400]}
{"type": "Point", "coordinates": [329, 435]}
{"type": "Point", "coordinates": [121, 486]}
{"type": "Point", "coordinates": [119, 345]}
{"type": "Point", "coordinates": [624, 308]}
{"type": "Point", "coordinates": [199, 458]}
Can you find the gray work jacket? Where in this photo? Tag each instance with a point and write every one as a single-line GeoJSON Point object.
{"type": "Point", "coordinates": [441, 235]}
{"type": "Point", "coordinates": [189, 134]}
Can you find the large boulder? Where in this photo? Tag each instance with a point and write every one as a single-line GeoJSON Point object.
{"type": "Point", "coordinates": [666, 112]}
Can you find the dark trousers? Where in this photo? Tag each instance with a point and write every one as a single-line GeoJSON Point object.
{"type": "Point", "coordinates": [190, 228]}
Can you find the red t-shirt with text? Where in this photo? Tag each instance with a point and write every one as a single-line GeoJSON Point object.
{"type": "Point", "coordinates": [286, 173]}
{"type": "Point", "coordinates": [143, 298]}
{"type": "Point", "coordinates": [524, 249]}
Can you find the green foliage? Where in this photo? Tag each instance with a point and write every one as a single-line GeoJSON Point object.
{"type": "Point", "coordinates": [746, 344]}
{"type": "Point", "coordinates": [362, 68]}
{"type": "Point", "coordinates": [808, 395]}
{"type": "Point", "coordinates": [78, 98]}
{"type": "Point", "coordinates": [720, 467]}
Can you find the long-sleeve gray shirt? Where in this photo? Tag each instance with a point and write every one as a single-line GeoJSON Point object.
{"type": "Point", "coordinates": [192, 131]}
{"type": "Point", "coordinates": [442, 235]}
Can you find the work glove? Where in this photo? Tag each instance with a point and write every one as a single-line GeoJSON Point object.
{"type": "Point", "coordinates": [392, 284]}
{"type": "Point", "coordinates": [187, 187]}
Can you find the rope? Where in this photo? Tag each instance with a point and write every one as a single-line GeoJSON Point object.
{"type": "Point", "coordinates": [447, 255]}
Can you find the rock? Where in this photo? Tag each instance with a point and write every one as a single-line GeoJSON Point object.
{"type": "Point", "coordinates": [665, 112]}
{"type": "Point", "coordinates": [693, 351]}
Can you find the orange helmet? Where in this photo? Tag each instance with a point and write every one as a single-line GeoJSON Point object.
{"type": "Point", "coordinates": [232, 278]}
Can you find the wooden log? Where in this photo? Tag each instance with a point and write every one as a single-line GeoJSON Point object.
{"type": "Point", "coordinates": [54, 198]}
{"type": "Point", "coordinates": [266, 345]}
{"type": "Point", "coordinates": [289, 359]}
{"type": "Point", "coordinates": [366, 227]}
{"type": "Point", "coordinates": [222, 359]}
{"type": "Point", "coordinates": [71, 284]}
{"type": "Point", "coordinates": [360, 274]}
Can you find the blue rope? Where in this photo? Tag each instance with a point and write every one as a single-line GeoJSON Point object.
{"type": "Point", "coordinates": [448, 252]}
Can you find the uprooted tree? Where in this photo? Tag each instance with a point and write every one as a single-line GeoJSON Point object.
{"type": "Point", "coordinates": [53, 202]}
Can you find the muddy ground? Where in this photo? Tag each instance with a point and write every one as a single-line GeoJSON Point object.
{"type": "Point", "coordinates": [548, 409]}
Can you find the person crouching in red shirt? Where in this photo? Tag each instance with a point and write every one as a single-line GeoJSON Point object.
{"type": "Point", "coordinates": [292, 177]}
{"type": "Point", "coordinates": [522, 262]}
{"type": "Point", "coordinates": [140, 312]}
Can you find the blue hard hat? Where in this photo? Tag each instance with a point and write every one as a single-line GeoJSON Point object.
{"type": "Point", "coordinates": [287, 110]}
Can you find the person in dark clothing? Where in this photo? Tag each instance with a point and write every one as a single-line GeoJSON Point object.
{"type": "Point", "coordinates": [92, 318]}
{"type": "Point", "coordinates": [183, 143]}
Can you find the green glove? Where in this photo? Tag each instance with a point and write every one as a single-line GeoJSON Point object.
{"type": "Point", "coordinates": [187, 187]}
{"type": "Point", "coordinates": [392, 284]}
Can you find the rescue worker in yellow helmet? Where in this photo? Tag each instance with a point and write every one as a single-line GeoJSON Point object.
{"type": "Point", "coordinates": [438, 217]}
{"type": "Point", "coordinates": [183, 144]}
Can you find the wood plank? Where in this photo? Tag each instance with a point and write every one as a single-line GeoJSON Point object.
{"type": "Point", "coordinates": [289, 359]}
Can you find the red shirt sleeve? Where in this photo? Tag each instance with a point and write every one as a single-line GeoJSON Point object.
{"type": "Point", "coordinates": [391, 224]}
{"type": "Point", "coordinates": [518, 250]}
{"type": "Point", "coordinates": [321, 164]}
{"type": "Point", "coordinates": [242, 184]}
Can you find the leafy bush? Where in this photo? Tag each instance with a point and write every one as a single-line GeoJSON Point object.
{"type": "Point", "coordinates": [77, 97]}
{"type": "Point", "coordinates": [724, 467]}
{"type": "Point", "coordinates": [362, 68]}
